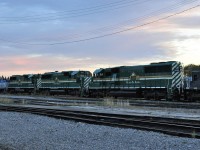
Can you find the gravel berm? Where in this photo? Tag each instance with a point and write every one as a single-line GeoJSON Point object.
{"type": "Point", "coordinates": [21, 131]}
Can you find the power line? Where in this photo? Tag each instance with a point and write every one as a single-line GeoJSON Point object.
{"type": "Point", "coordinates": [74, 10]}
{"type": "Point", "coordinates": [109, 34]}
{"type": "Point", "coordinates": [128, 22]}
{"type": "Point", "coordinates": [72, 14]}
{"type": "Point", "coordinates": [132, 28]}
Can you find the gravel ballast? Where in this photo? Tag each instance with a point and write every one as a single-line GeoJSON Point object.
{"type": "Point", "coordinates": [32, 132]}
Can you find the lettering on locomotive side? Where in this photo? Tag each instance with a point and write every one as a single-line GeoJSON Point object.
{"type": "Point", "coordinates": [133, 82]}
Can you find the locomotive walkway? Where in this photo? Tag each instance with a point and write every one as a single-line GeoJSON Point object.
{"type": "Point", "coordinates": [172, 126]}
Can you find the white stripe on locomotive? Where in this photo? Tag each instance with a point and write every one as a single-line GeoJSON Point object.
{"type": "Point", "coordinates": [177, 75]}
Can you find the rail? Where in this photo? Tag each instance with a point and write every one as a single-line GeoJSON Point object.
{"type": "Point", "coordinates": [171, 126]}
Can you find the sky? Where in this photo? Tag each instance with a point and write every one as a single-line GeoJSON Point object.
{"type": "Point", "coordinates": [38, 36]}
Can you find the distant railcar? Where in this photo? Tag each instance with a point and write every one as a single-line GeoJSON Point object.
{"type": "Point", "coordinates": [3, 85]}
{"type": "Point", "coordinates": [156, 80]}
{"type": "Point", "coordinates": [192, 86]}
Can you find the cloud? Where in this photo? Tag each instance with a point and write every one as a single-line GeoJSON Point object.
{"type": "Point", "coordinates": [165, 40]}
{"type": "Point", "coordinates": [109, 52]}
{"type": "Point", "coordinates": [41, 64]}
{"type": "Point", "coordinates": [188, 22]}
{"type": "Point", "coordinates": [184, 33]}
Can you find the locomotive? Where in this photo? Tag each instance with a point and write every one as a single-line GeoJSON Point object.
{"type": "Point", "coordinates": [162, 80]}
{"type": "Point", "coordinates": [157, 81]}
{"type": "Point", "coordinates": [67, 82]}
{"type": "Point", "coordinates": [21, 83]}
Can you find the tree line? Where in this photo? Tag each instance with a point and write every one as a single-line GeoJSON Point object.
{"type": "Point", "coordinates": [4, 78]}
{"type": "Point", "coordinates": [191, 67]}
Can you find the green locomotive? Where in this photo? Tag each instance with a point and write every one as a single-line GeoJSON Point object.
{"type": "Point", "coordinates": [22, 83]}
{"type": "Point", "coordinates": [163, 80]}
{"type": "Point", "coordinates": [66, 82]}
{"type": "Point", "coordinates": [156, 80]}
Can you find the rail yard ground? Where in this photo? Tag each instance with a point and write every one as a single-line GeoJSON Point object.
{"type": "Point", "coordinates": [28, 131]}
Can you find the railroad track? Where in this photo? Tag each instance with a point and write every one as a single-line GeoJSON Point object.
{"type": "Point", "coordinates": [177, 127]}
{"type": "Point", "coordinates": [65, 101]}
